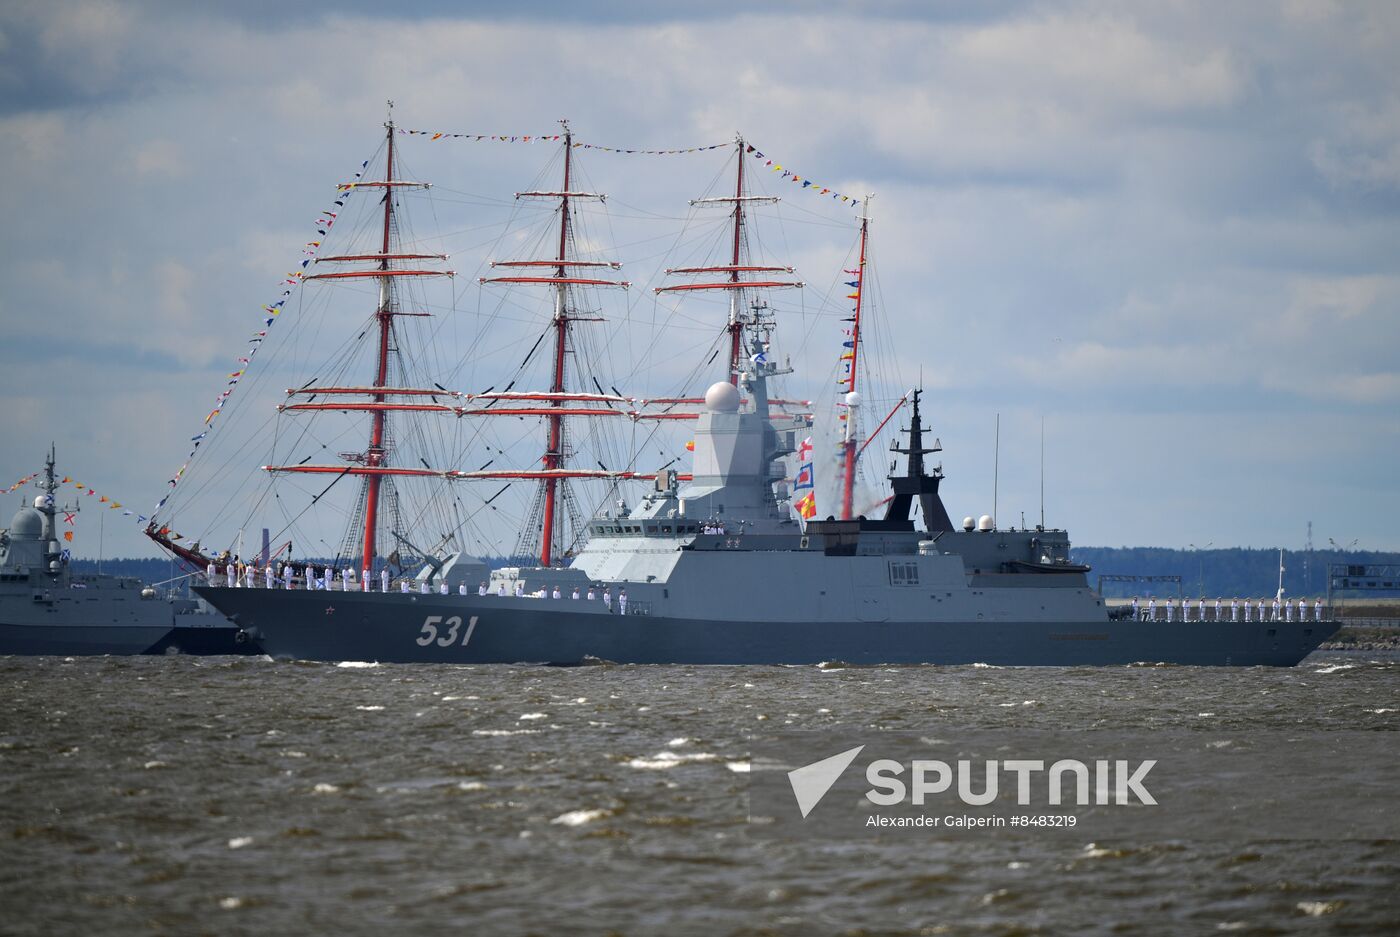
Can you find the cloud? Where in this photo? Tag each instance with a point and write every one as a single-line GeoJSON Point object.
{"type": "Point", "coordinates": [159, 157]}
{"type": "Point", "coordinates": [1167, 222]}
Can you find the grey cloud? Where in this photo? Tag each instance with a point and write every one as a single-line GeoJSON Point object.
{"type": "Point", "coordinates": [1160, 224]}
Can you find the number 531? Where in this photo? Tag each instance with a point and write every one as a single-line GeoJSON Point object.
{"type": "Point", "coordinates": [429, 632]}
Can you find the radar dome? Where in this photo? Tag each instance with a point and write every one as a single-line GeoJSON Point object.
{"type": "Point", "coordinates": [722, 397]}
{"type": "Point", "coordinates": [853, 399]}
{"type": "Point", "coordinates": [969, 523]}
{"type": "Point", "coordinates": [28, 524]}
{"type": "Point", "coordinates": [985, 523]}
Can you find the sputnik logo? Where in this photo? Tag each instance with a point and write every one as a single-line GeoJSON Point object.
{"type": "Point", "coordinates": [811, 782]}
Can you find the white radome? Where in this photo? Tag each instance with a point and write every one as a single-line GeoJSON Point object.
{"type": "Point", "coordinates": [853, 399]}
{"type": "Point", "coordinates": [969, 523]}
{"type": "Point", "coordinates": [722, 397]}
{"type": "Point", "coordinates": [985, 522]}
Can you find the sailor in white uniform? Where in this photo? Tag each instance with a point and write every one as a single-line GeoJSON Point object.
{"type": "Point", "coordinates": [442, 587]}
{"type": "Point", "coordinates": [1171, 609]}
{"type": "Point", "coordinates": [622, 602]}
{"type": "Point", "coordinates": [501, 589]}
{"type": "Point", "coordinates": [423, 586]}
{"type": "Point", "coordinates": [1151, 609]}
{"type": "Point", "coordinates": [607, 598]}
{"type": "Point", "coordinates": [268, 576]}
{"type": "Point", "coordinates": [1136, 612]}
{"type": "Point", "coordinates": [210, 573]}
{"type": "Point", "coordinates": [1235, 610]}
{"type": "Point", "coordinates": [384, 579]}
{"type": "Point", "coordinates": [556, 592]}
{"type": "Point", "coordinates": [575, 595]}
{"type": "Point", "coordinates": [1219, 606]}
{"type": "Point", "coordinates": [364, 580]}
{"type": "Point", "coordinates": [403, 586]}
{"type": "Point", "coordinates": [462, 587]}
{"type": "Point", "coordinates": [519, 588]}
{"type": "Point", "coordinates": [590, 593]}
{"type": "Point", "coordinates": [1317, 610]}
{"type": "Point", "coordinates": [481, 589]}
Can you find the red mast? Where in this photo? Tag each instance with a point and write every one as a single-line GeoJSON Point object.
{"type": "Point", "coordinates": [553, 451]}
{"type": "Point", "coordinates": [733, 283]}
{"type": "Point", "coordinates": [555, 410]}
{"type": "Point", "coordinates": [373, 465]}
{"type": "Point", "coordinates": [849, 440]}
{"type": "Point", "coordinates": [735, 328]}
{"type": "Point", "coordinates": [374, 455]}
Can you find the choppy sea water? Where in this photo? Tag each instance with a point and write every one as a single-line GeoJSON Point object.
{"type": "Point", "coordinates": [219, 795]}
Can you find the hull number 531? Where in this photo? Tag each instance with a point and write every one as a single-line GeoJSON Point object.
{"type": "Point", "coordinates": [450, 627]}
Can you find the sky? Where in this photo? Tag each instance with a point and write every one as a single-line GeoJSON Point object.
{"type": "Point", "coordinates": [1165, 235]}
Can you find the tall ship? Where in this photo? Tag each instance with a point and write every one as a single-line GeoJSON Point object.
{"type": "Point", "coordinates": [727, 563]}
{"type": "Point", "coordinates": [47, 608]}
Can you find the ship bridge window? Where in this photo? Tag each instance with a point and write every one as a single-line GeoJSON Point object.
{"type": "Point", "coordinates": [904, 573]}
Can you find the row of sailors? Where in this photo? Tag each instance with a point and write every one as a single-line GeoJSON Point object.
{"type": "Point", "coordinates": [1278, 611]}
{"type": "Point", "coordinates": [288, 578]}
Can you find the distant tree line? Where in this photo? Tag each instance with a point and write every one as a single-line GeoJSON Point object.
{"type": "Point", "coordinates": [1229, 572]}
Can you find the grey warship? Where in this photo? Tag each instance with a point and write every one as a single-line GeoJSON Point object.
{"type": "Point", "coordinates": [717, 566]}
{"type": "Point", "coordinates": [46, 608]}
{"type": "Point", "coordinates": [717, 571]}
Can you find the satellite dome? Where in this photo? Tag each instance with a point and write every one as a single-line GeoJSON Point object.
{"type": "Point", "coordinates": [985, 523]}
{"type": "Point", "coordinates": [722, 397]}
{"type": "Point", "coordinates": [969, 523]}
{"type": "Point", "coordinates": [28, 524]}
{"type": "Point", "coordinates": [853, 399]}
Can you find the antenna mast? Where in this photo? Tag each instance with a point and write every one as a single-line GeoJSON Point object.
{"type": "Point", "coordinates": [1042, 471]}
{"type": "Point", "coordinates": [996, 470]}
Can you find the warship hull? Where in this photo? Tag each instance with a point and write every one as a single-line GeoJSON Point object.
{"type": "Point", "coordinates": [73, 640]}
{"type": "Point", "coordinates": [335, 626]}
{"type": "Point", "coordinates": [206, 641]}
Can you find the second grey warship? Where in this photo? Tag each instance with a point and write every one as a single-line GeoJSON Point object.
{"type": "Point", "coordinates": [46, 608]}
